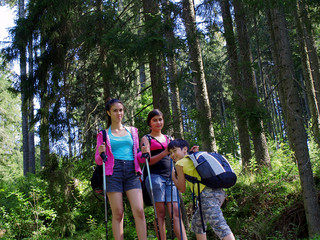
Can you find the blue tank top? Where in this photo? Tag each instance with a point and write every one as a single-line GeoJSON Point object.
{"type": "Point", "coordinates": [121, 147]}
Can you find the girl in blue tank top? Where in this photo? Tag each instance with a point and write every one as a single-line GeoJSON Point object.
{"type": "Point", "coordinates": [122, 177]}
{"type": "Point", "coordinates": [121, 146]}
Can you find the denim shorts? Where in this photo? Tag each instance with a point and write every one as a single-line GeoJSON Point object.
{"type": "Point", "coordinates": [124, 177]}
{"type": "Point", "coordinates": [161, 187]}
{"type": "Point", "coordinates": [211, 201]}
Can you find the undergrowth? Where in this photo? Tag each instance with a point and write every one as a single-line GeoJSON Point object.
{"type": "Point", "coordinates": [264, 204]}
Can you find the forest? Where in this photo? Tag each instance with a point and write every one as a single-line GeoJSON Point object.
{"type": "Point", "coordinates": [239, 77]}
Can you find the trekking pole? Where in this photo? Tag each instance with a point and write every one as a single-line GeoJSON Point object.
{"type": "Point", "coordinates": [200, 209]}
{"type": "Point", "coordinates": [179, 209]}
{"type": "Point", "coordinates": [171, 166]}
{"type": "Point", "coordinates": [104, 158]}
{"type": "Point", "coordinates": [147, 157]}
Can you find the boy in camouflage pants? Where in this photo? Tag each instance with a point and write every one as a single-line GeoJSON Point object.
{"type": "Point", "coordinates": [211, 199]}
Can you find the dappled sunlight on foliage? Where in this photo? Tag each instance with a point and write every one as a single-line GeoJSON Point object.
{"type": "Point", "coordinates": [262, 205]}
{"type": "Point", "coordinates": [26, 209]}
{"type": "Point", "coordinates": [73, 55]}
{"type": "Point", "coordinates": [257, 203]}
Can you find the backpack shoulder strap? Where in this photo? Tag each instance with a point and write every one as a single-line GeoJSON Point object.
{"type": "Point", "coordinates": [195, 163]}
{"type": "Point", "coordinates": [193, 158]}
{"type": "Point", "coordinates": [148, 136]}
{"type": "Point", "coordinates": [169, 138]}
{"type": "Point", "coordinates": [149, 139]}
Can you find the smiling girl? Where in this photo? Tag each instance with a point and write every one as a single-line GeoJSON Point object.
{"type": "Point", "coordinates": [160, 169]}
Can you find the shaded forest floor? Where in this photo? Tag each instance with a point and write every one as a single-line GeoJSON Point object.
{"type": "Point", "coordinates": [261, 210]}
{"type": "Point", "coordinates": [59, 204]}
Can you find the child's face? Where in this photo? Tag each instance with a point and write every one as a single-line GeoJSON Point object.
{"type": "Point", "coordinates": [177, 153]}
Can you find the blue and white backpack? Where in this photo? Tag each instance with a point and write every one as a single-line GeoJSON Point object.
{"type": "Point", "coordinates": [215, 172]}
{"type": "Point", "coordinates": [214, 169]}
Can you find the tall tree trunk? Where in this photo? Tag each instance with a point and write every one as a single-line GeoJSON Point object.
{"type": "Point", "coordinates": [314, 67]}
{"type": "Point", "coordinates": [32, 161]}
{"type": "Point", "coordinates": [44, 124]}
{"type": "Point", "coordinates": [142, 67]}
{"type": "Point", "coordinates": [156, 62]}
{"type": "Point", "coordinates": [200, 85]}
{"type": "Point", "coordinates": [237, 94]}
{"type": "Point", "coordinates": [262, 77]}
{"type": "Point", "coordinates": [308, 79]}
{"type": "Point", "coordinates": [44, 110]}
{"type": "Point", "coordinates": [277, 115]}
{"type": "Point", "coordinates": [24, 98]}
{"type": "Point", "coordinates": [253, 110]}
{"type": "Point", "coordinates": [85, 136]}
{"type": "Point", "coordinates": [142, 75]}
{"type": "Point", "coordinates": [106, 68]}
{"type": "Point", "coordinates": [311, 46]}
{"type": "Point", "coordinates": [66, 86]}
{"type": "Point", "coordinates": [289, 97]}
{"type": "Point", "coordinates": [172, 70]}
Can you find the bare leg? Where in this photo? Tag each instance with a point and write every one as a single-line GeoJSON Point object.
{"type": "Point", "coordinates": [136, 203]}
{"type": "Point", "coordinates": [176, 224]}
{"type": "Point", "coordinates": [116, 204]}
{"type": "Point", "coordinates": [161, 214]}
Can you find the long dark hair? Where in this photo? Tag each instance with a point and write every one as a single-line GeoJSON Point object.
{"type": "Point", "coordinates": [109, 103]}
{"type": "Point", "coordinates": [154, 112]}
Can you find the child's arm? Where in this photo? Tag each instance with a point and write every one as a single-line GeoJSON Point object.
{"type": "Point", "coordinates": [179, 179]}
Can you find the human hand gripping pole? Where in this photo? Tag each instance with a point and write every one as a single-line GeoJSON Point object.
{"type": "Point", "coordinates": [103, 156]}
{"type": "Point", "coordinates": [104, 160]}
{"type": "Point", "coordinates": [147, 157]}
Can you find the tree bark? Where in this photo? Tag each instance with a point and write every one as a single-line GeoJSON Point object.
{"type": "Point", "coordinates": [289, 97]}
{"type": "Point", "coordinates": [44, 125]}
{"type": "Point", "coordinates": [237, 94]}
{"type": "Point", "coordinates": [106, 68]}
{"type": "Point", "coordinates": [308, 80]}
{"type": "Point", "coordinates": [177, 125]}
{"type": "Point", "coordinates": [24, 98]}
{"type": "Point", "coordinates": [68, 109]}
{"type": "Point", "coordinates": [253, 108]}
{"type": "Point", "coordinates": [313, 67]}
{"type": "Point", "coordinates": [262, 78]}
{"type": "Point", "coordinates": [32, 161]}
{"type": "Point", "coordinates": [156, 63]}
{"type": "Point", "coordinates": [44, 111]}
{"type": "Point", "coordinates": [200, 85]}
